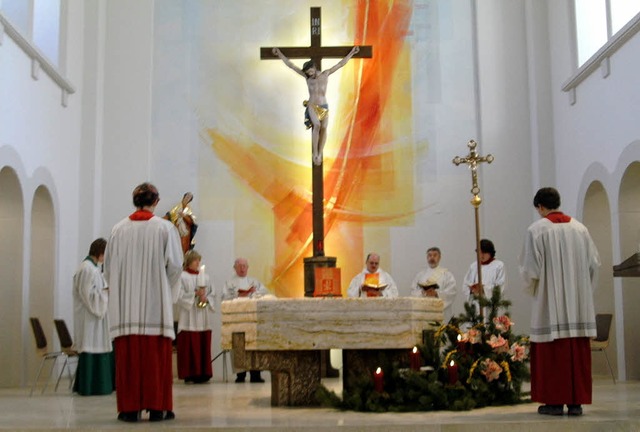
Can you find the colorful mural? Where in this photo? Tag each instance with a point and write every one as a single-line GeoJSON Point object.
{"type": "Point", "coordinates": [368, 158]}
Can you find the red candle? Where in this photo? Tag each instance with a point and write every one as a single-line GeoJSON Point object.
{"type": "Point", "coordinates": [453, 372]}
{"type": "Point", "coordinates": [460, 344]}
{"type": "Point", "coordinates": [378, 380]}
{"type": "Point", "coordinates": [415, 359]}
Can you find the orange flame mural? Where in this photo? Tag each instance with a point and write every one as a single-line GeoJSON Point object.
{"type": "Point", "coordinates": [369, 182]}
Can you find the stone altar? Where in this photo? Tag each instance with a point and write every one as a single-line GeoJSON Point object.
{"type": "Point", "coordinates": [285, 336]}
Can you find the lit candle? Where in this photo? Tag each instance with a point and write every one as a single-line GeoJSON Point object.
{"type": "Point", "coordinates": [460, 344]}
{"type": "Point", "coordinates": [453, 372]}
{"type": "Point", "coordinates": [378, 380]}
{"type": "Point", "coordinates": [415, 359]}
{"type": "Point", "coordinates": [201, 279]}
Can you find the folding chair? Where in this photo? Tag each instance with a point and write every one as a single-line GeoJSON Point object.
{"type": "Point", "coordinates": [41, 350]}
{"type": "Point", "coordinates": [601, 341]}
{"type": "Point", "coordinates": [66, 343]}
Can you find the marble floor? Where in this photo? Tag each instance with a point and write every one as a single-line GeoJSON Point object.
{"type": "Point", "coordinates": [224, 406]}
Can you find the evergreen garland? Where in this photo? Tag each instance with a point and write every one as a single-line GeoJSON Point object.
{"type": "Point", "coordinates": [492, 364]}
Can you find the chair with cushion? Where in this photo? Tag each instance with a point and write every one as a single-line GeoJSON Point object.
{"type": "Point", "coordinates": [42, 351]}
{"type": "Point", "coordinates": [601, 341]}
{"type": "Point", "coordinates": [66, 343]}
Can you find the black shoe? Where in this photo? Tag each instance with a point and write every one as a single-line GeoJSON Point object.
{"type": "Point", "coordinates": [169, 415]}
{"type": "Point", "coordinates": [156, 415]}
{"type": "Point", "coordinates": [574, 410]}
{"type": "Point", "coordinates": [554, 410]}
{"type": "Point", "coordinates": [240, 377]}
{"type": "Point", "coordinates": [255, 377]}
{"type": "Point", "coordinates": [129, 416]}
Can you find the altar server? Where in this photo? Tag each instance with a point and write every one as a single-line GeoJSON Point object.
{"type": "Point", "coordinates": [196, 306]}
{"type": "Point", "coordinates": [95, 371]}
{"type": "Point", "coordinates": [559, 263]}
{"type": "Point", "coordinates": [143, 263]}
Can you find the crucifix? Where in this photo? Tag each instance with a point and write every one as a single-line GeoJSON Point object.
{"type": "Point", "coordinates": [316, 52]}
{"type": "Point", "coordinates": [473, 159]}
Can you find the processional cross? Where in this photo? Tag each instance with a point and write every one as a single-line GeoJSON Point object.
{"type": "Point", "coordinates": [473, 159]}
{"type": "Point", "coordinates": [316, 52]}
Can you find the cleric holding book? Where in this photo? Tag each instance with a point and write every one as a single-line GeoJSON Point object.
{"type": "Point", "coordinates": [435, 281]}
{"type": "Point", "coordinates": [242, 286]}
{"type": "Point", "coordinates": [373, 281]}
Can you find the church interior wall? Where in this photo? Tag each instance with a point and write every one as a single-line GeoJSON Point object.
{"type": "Point", "coordinates": [599, 128]}
{"type": "Point", "coordinates": [506, 95]}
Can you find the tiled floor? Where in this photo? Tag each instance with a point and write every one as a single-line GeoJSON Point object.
{"type": "Point", "coordinates": [242, 407]}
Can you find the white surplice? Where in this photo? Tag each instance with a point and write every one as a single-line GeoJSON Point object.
{"type": "Point", "coordinates": [90, 301]}
{"type": "Point", "coordinates": [193, 317]}
{"type": "Point", "coordinates": [143, 263]}
{"type": "Point", "coordinates": [493, 275]}
{"type": "Point", "coordinates": [236, 283]}
{"type": "Point", "coordinates": [446, 287]}
{"type": "Point", "coordinates": [559, 264]}
{"type": "Point", "coordinates": [384, 278]}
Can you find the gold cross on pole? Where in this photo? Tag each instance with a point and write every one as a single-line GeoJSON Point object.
{"type": "Point", "coordinates": [473, 159]}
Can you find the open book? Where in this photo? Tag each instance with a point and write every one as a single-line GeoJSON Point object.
{"type": "Point", "coordinates": [246, 292]}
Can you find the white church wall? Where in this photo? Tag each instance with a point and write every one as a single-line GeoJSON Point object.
{"type": "Point", "coordinates": [45, 138]}
{"type": "Point", "coordinates": [600, 129]}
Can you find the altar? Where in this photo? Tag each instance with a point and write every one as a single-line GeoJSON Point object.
{"type": "Point", "coordinates": [285, 337]}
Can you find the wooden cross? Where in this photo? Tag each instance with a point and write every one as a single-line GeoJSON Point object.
{"type": "Point", "coordinates": [473, 159]}
{"type": "Point", "coordinates": [316, 52]}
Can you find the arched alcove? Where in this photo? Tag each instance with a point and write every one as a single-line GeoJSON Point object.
{"type": "Point", "coordinates": [42, 268]}
{"type": "Point", "coordinates": [629, 215]}
{"type": "Point", "coordinates": [11, 251]}
{"type": "Point", "coordinates": [597, 218]}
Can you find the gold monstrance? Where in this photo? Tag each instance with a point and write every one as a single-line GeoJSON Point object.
{"type": "Point", "coordinates": [473, 159]}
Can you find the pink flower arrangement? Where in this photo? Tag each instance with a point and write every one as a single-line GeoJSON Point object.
{"type": "Point", "coordinates": [473, 336]}
{"type": "Point", "coordinates": [518, 352]}
{"type": "Point", "coordinates": [499, 344]}
{"type": "Point", "coordinates": [503, 323]}
{"type": "Point", "coordinates": [491, 370]}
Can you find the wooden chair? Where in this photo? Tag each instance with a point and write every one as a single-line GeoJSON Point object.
{"type": "Point", "coordinates": [601, 341]}
{"type": "Point", "coordinates": [42, 351]}
{"type": "Point", "coordinates": [66, 343]}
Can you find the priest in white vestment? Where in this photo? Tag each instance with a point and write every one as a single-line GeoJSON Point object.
{"type": "Point", "coordinates": [143, 263]}
{"type": "Point", "coordinates": [242, 286]}
{"type": "Point", "coordinates": [493, 274]}
{"type": "Point", "coordinates": [436, 281]}
{"type": "Point", "coordinates": [372, 281]}
{"type": "Point", "coordinates": [559, 263]}
{"type": "Point", "coordinates": [95, 374]}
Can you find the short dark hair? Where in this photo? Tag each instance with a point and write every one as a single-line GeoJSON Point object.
{"type": "Point", "coordinates": [97, 247]}
{"type": "Point", "coordinates": [145, 194]}
{"type": "Point", "coordinates": [547, 197]}
{"type": "Point", "coordinates": [434, 249]}
{"type": "Point", "coordinates": [308, 65]}
{"type": "Point", "coordinates": [487, 246]}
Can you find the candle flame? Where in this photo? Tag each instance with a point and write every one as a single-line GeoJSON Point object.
{"type": "Point", "coordinates": [459, 338]}
{"type": "Point", "coordinates": [452, 363]}
{"type": "Point", "coordinates": [378, 371]}
{"type": "Point", "coordinates": [415, 350]}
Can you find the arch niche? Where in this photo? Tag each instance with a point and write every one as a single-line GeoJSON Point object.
{"type": "Point", "coordinates": [597, 218]}
{"type": "Point", "coordinates": [42, 274]}
{"type": "Point", "coordinates": [11, 265]}
{"type": "Point", "coordinates": [629, 214]}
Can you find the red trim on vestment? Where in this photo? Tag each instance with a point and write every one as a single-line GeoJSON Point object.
{"type": "Point", "coordinates": [558, 217]}
{"type": "Point", "coordinates": [188, 270]}
{"type": "Point", "coordinates": [144, 373]}
{"type": "Point", "coordinates": [141, 215]}
{"type": "Point", "coordinates": [561, 371]}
